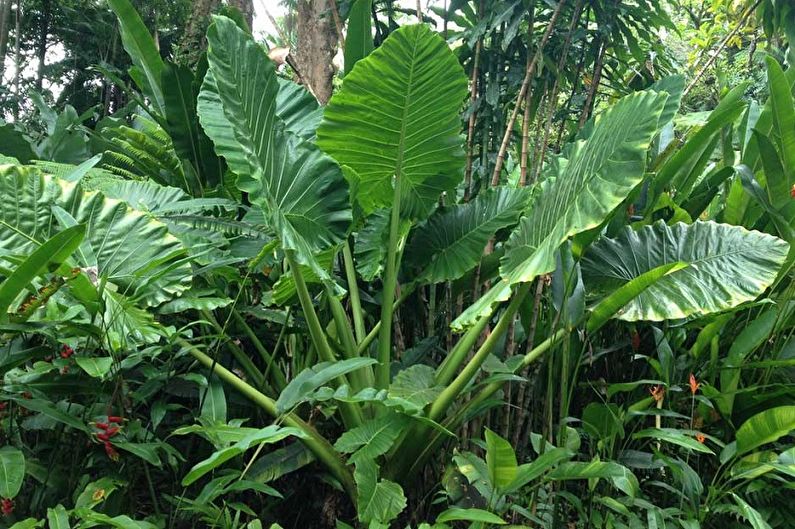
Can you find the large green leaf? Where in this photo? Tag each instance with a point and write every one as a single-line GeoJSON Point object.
{"type": "Point", "coordinates": [140, 45]}
{"type": "Point", "coordinates": [727, 265]}
{"type": "Point", "coordinates": [452, 241]}
{"type": "Point", "coordinates": [379, 500]}
{"type": "Point", "coordinates": [753, 516]}
{"type": "Point", "coordinates": [298, 109]}
{"type": "Point", "coordinates": [12, 471]}
{"type": "Point", "coordinates": [395, 122]}
{"type": "Point", "coordinates": [14, 144]}
{"type": "Point", "coordinates": [131, 250]}
{"type": "Point", "coordinates": [590, 180]}
{"type": "Point", "coordinates": [765, 427]}
{"type": "Point", "coordinates": [301, 190]}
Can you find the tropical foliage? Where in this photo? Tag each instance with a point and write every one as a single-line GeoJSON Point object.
{"type": "Point", "coordinates": [452, 296]}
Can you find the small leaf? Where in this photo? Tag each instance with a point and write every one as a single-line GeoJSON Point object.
{"type": "Point", "coordinates": [94, 367]}
{"type": "Point", "coordinates": [307, 381]}
{"type": "Point", "coordinates": [500, 460]}
{"type": "Point", "coordinates": [12, 471]}
{"type": "Point", "coordinates": [673, 436]}
{"type": "Point", "coordinates": [469, 515]}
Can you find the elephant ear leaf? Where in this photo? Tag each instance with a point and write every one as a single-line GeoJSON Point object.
{"type": "Point", "coordinates": [726, 266]}
{"type": "Point", "coordinates": [301, 190]}
{"type": "Point", "coordinates": [395, 122]}
{"type": "Point", "coordinates": [587, 183]}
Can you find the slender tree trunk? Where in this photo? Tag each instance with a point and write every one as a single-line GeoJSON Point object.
{"type": "Point", "coordinates": [41, 46]}
{"type": "Point", "coordinates": [17, 58]}
{"type": "Point", "coordinates": [597, 75]}
{"type": "Point", "coordinates": [5, 31]}
{"type": "Point", "coordinates": [473, 95]}
{"type": "Point", "coordinates": [531, 65]}
{"type": "Point", "coordinates": [316, 47]}
{"type": "Point", "coordinates": [193, 41]}
{"type": "Point", "coordinates": [246, 7]}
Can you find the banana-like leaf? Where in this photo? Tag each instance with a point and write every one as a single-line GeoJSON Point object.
{"type": "Point", "coordinates": [727, 266]}
{"type": "Point", "coordinates": [591, 179]}
{"type": "Point", "coordinates": [359, 38]}
{"type": "Point", "coordinates": [301, 190]}
{"type": "Point", "coordinates": [140, 45]}
{"type": "Point", "coordinates": [133, 252]}
{"type": "Point", "coordinates": [452, 241]}
{"type": "Point", "coordinates": [765, 427]}
{"type": "Point", "coordinates": [395, 122]}
{"type": "Point", "coordinates": [621, 477]}
{"type": "Point", "coordinates": [783, 114]}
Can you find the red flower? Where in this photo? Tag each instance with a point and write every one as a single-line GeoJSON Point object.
{"type": "Point", "coordinates": [112, 453]}
{"type": "Point", "coordinates": [101, 425]}
{"type": "Point", "coordinates": [7, 506]}
{"type": "Point", "coordinates": [113, 430]}
{"type": "Point", "coordinates": [693, 384]}
{"type": "Point", "coordinates": [115, 419]}
{"type": "Point", "coordinates": [700, 437]}
{"type": "Point", "coordinates": [66, 351]}
{"type": "Point", "coordinates": [103, 436]}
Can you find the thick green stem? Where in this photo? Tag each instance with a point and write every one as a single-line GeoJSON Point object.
{"type": "Point", "coordinates": [453, 361]}
{"type": "Point", "coordinates": [242, 358]}
{"type": "Point", "coordinates": [316, 443]}
{"type": "Point", "coordinates": [390, 284]}
{"type": "Point", "coordinates": [351, 413]}
{"type": "Point", "coordinates": [361, 378]}
{"type": "Point", "coordinates": [353, 292]}
{"type": "Point", "coordinates": [278, 377]}
{"type": "Point", "coordinates": [451, 392]}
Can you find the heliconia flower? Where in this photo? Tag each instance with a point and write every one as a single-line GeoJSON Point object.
{"type": "Point", "coordinates": [101, 425]}
{"type": "Point", "coordinates": [111, 452]}
{"type": "Point", "coordinates": [693, 384]}
{"type": "Point", "coordinates": [700, 437]}
{"type": "Point", "coordinates": [658, 392]}
{"type": "Point", "coordinates": [103, 436]}
{"type": "Point", "coordinates": [115, 419]}
{"type": "Point", "coordinates": [7, 506]}
{"type": "Point", "coordinates": [113, 430]}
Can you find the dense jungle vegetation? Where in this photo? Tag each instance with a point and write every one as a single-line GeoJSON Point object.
{"type": "Point", "coordinates": [386, 264]}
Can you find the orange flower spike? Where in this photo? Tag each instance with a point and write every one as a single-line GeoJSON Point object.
{"type": "Point", "coordinates": [700, 437]}
{"type": "Point", "coordinates": [658, 392]}
{"type": "Point", "coordinates": [694, 385]}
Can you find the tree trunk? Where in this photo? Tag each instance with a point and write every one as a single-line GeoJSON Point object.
{"type": "Point", "coordinates": [5, 31]}
{"type": "Point", "coordinates": [41, 46]}
{"type": "Point", "coordinates": [316, 47]}
{"type": "Point", "coordinates": [193, 40]}
{"type": "Point", "coordinates": [247, 8]}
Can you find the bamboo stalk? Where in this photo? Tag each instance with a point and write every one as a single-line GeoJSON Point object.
{"type": "Point", "coordinates": [531, 65]}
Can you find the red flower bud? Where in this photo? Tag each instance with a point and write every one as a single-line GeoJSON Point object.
{"type": "Point", "coordinates": [111, 452]}
{"type": "Point", "coordinates": [7, 506]}
{"type": "Point", "coordinates": [103, 436]}
{"type": "Point", "coordinates": [112, 431]}
{"type": "Point", "coordinates": [101, 425]}
{"type": "Point", "coordinates": [115, 418]}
